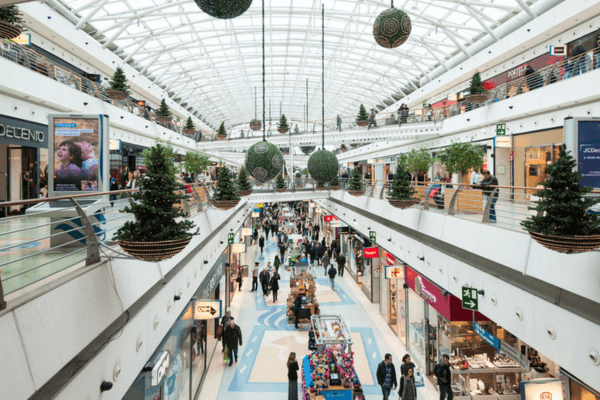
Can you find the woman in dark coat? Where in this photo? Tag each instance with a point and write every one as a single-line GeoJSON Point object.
{"type": "Point", "coordinates": [293, 368]}
{"type": "Point", "coordinates": [275, 285]}
{"type": "Point", "coordinates": [261, 244]}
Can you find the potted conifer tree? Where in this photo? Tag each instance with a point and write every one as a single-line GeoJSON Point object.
{"type": "Point", "coordinates": [477, 92]}
{"type": "Point", "coordinates": [299, 182]}
{"type": "Point", "coordinates": [563, 223]}
{"type": "Point", "coordinates": [283, 125]}
{"type": "Point", "coordinates": [189, 128]}
{"type": "Point", "coordinates": [156, 234]}
{"type": "Point", "coordinates": [10, 22]}
{"type": "Point", "coordinates": [356, 186]}
{"type": "Point", "coordinates": [280, 184]}
{"type": "Point", "coordinates": [119, 90]}
{"type": "Point", "coordinates": [362, 119]}
{"type": "Point", "coordinates": [243, 184]}
{"type": "Point", "coordinates": [334, 184]}
{"type": "Point", "coordinates": [222, 133]}
{"type": "Point", "coordinates": [343, 147]}
{"type": "Point", "coordinates": [163, 114]}
{"type": "Point", "coordinates": [401, 193]}
{"type": "Point", "coordinates": [225, 195]}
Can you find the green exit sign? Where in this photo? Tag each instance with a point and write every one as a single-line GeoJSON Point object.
{"type": "Point", "coordinates": [230, 238]}
{"type": "Point", "coordinates": [500, 129]}
{"type": "Point", "coordinates": [373, 236]}
{"type": "Point", "coordinates": [470, 298]}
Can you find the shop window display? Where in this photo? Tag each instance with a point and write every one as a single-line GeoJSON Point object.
{"type": "Point", "coordinates": [416, 326]}
{"type": "Point", "coordinates": [401, 321]}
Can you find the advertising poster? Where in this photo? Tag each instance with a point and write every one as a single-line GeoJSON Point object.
{"type": "Point", "coordinates": [588, 157]}
{"type": "Point", "coordinates": [76, 153]}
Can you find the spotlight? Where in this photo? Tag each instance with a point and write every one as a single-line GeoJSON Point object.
{"type": "Point", "coordinates": [468, 119]}
{"type": "Point", "coordinates": [221, 242]}
{"type": "Point", "coordinates": [122, 117]}
{"type": "Point", "coordinates": [369, 228]}
{"type": "Point", "coordinates": [49, 17]}
{"type": "Point", "coordinates": [422, 258]}
{"type": "Point", "coordinates": [445, 293]}
{"type": "Point", "coordinates": [146, 126]}
{"type": "Point", "coordinates": [104, 386]}
{"type": "Point", "coordinates": [481, 292]}
{"type": "Point", "coordinates": [85, 104]}
{"type": "Point", "coordinates": [205, 261]}
{"type": "Point", "coordinates": [86, 43]}
{"type": "Point", "coordinates": [528, 30]}
{"type": "Point", "coordinates": [390, 239]}
{"type": "Point", "coordinates": [177, 298]}
{"type": "Point", "coordinates": [511, 107]}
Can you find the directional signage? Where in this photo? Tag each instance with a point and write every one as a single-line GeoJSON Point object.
{"type": "Point", "coordinates": [500, 129]}
{"type": "Point", "coordinates": [485, 335]}
{"type": "Point", "coordinates": [470, 298]}
{"type": "Point", "coordinates": [373, 236]}
{"type": "Point", "coordinates": [207, 309]}
{"type": "Point", "coordinates": [230, 238]}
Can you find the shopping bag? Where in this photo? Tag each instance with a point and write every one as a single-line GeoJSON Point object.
{"type": "Point", "coordinates": [219, 332]}
{"type": "Point", "coordinates": [226, 354]}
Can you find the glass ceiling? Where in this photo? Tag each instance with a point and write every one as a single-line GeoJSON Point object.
{"type": "Point", "coordinates": [213, 66]}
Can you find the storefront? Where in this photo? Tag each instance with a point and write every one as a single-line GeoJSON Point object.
{"type": "Point", "coordinates": [533, 152]}
{"type": "Point", "coordinates": [391, 287]}
{"type": "Point", "coordinates": [356, 265]}
{"type": "Point", "coordinates": [23, 161]}
{"type": "Point", "coordinates": [178, 367]}
{"type": "Point", "coordinates": [371, 272]}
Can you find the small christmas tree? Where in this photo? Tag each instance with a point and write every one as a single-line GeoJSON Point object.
{"type": "Point", "coordinates": [562, 202]}
{"type": "Point", "coordinates": [343, 147]}
{"type": "Point", "coordinates": [155, 214]}
{"type": "Point", "coordinates": [400, 188]}
{"type": "Point", "coordinates": [225, 189]}
{"type": "Point", "coordinates": [163, 110]}
{"type": "Point", "coordinates": [298, 175]}
{"type": "Point", "coordinates": [335, 182]}
{"type": "Point", "coordinates": [12, 15]}
{"type": "Point", "coordinates": [222, 131]}
{"type": "Point", "coordinates": [189, 124]}
{"type": "Point", "coordinates": [280, 182]}
{"type": "Point", "coordinates": [243, 183]}
{"type": "Point", "coordinates": [362, 114]}
{"type": "Point", "coordinates": [283, 125]}
{"type": "Point", "coordinates": [355, 180]}
{"type": "Point", "coordinates": [476, 86]}
{"type": "Point", "coordinates": [119, 81]}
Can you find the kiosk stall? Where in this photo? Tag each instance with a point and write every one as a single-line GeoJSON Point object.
{"type": "Point", "coordinates": [302, 283]}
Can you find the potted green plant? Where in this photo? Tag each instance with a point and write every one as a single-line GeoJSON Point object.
{"type": "Point", "coordinates": [356, 186]}
{"type": "Point", "coordinates": [283, 126]}
{"type": "Point", "coordinates": [222, 133]}
{"type": "Point", "coordinates": [189, 128]}
{"type": "Point", "coordinates": [343, 147]}
{"type": "Point", "coordinates": [307, 149]}
{"type": "Point", "coordinates": [119, 90]}
{"type": "Point", "coordinates": [10, 22]}
{"type": "Point", "coordinates": [225, 195]}
{"type": "Point", "coordinates": [477, 92]}
{"type": "Point", "coordinates": [334, 184]}
{"type": "Point", "coordinates": [459, 158]}
{"type": "Point", "coordinates": [298, 182]}
{"type": "Point", "coordinates": [163, 114]}
{"type": "Point", "coordinates": [419, 161]}
{"type": "Point", "coordinates": [194, 162]}
{"type": "Point", "coordinates": [563, 223]}
{"type": "Point", "coordinates": [156, 235]}
{"type": "Point", "coordinates": [401, 193]}
{"type": "Point", "coordinates": [280, 184]}
{"type": "Point", "coordinates": [305, 172]}
{"type": "Point", "coordinates": [362, 119]}
{"type": "Point", "coordinates": [243, 184]}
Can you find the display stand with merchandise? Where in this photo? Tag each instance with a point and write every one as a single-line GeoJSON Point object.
{"type": "Point", "coordinates": [328, 373]}
{"type": "Point", "coordinates": [302, 283]}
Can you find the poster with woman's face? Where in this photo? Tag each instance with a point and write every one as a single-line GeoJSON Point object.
{"type": "Point", "coordinates": [76, 154]}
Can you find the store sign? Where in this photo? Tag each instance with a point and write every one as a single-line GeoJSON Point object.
{"type": "Point", "coordinates": [246, 231]}
{"type": "Point", "coordinates": [207, 309]}
{"type": "Point", "coordinates": [114, 144]}
{"type": "Point", "coordinates": [343, 230]}
{"type": "Point", "coordinates": [542, 389]}
{"type": "Point", "coordinates": [230, 238]}
{"type": "Point", "coordinates": [329, 218]}
{"type": "Point", "coordinates": [160, 368]}
{"type": "Point", "coordinates": [515, 355]}
{"type": "Point", "coordinates": [558, 50]}
{"type": "Point", "coordinates": [371, 252]}
{"type": "Point", "coordinates": [503, 142]}
{"type": "Point", "coordinates": [238, 248]}
{"type": "Point", "coordinates": [394, 272]}
{"type": "Point", "coordinates": [500, 129]}
{"type": "Point", "coordinates": [389, 259]}
{"type": "Point", "coordinates": [485, 335]}
{"type": "Point", "coordinates": [470, 298]}
{"type": "Point", "coordinates": [588, 156]}
{"type": "Point", "coordinates": [23, 133]}
{"type": "Point", "coordinates": [255, 215]}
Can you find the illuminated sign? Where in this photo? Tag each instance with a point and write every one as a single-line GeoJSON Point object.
{"type": "Point", "coordinates": [371, 252]}
{"type": "Point", "coordinates": [329, 218]}
{"type": "Point", "coordinates": [238, 248]}
{"type": "Point", "coordinates": [394, 272]}
{"type": "Point", "coordinates": [114, 144]}
{"type": "Point", "coordinates": [23, 39]}
{"type": "Point", "coordinates": [160, 368]}
{"type": "Point", "coordinates": [246, 231]}
{"type": "Point", "coordinates": [503, 142]}
{"type": "Point", "coordinates": [255, 215]}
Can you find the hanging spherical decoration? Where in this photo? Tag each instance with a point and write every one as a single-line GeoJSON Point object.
{"type": "Point", "coordinates": [323, 166]}
{"type": "Point", "coordinates": [255, 124]}
{"type": "Point", "coordinates": [392, 28]}
{"type": "Point", "coordinates": [264, 161]}
{"type": "Point", "coordinates": [224, 9]}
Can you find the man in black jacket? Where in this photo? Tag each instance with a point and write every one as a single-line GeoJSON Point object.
{"type": "Point", "coordinates": [332, 272]}
{"type": "Point", "coordinates": [386, 376]}
{"type": "Point", "coordinates": [444, 378]}
{"type": "Point", "coordinates": [261, 244]}
{"type": "Point", "coordinates": [577, 53]}
{"type": "Point", "coordinates": [264, 278]}
{"type": "Point", "coordinates": [232, 337]}
{"type": "Point", "coordinates": [487, 186]}
{"type": "Point", "coordinates": [341, 262]}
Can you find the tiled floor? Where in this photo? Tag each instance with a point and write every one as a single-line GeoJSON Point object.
{"type": "Point", "coordinates": [261, 372]}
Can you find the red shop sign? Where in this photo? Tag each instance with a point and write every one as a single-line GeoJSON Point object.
{"type": "Point", "coordinates": [390, 259]}
{"type": "Point", "coordinates": [371, 252]}
{"type": "Point", "coordinates": [329, 218]}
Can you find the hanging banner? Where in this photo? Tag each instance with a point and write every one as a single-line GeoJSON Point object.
{"type": "Point", "coordinates": [329, 218]}
{"type": "Point", "coordinates": [485, 335]}
{"type": "Point", "coordinates": [389, 259]}
{"type": "Point", "coordinates": [394, 272]}
{"type": "Point", "coordinates": [371, 252]}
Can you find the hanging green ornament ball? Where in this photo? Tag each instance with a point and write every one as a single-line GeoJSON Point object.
{"type": "Point", "coordinates": [323, 166]}
{"type": "Point", "coordinates": [255, 124]}
{"type": "Point", "coordinates": [392, 28]}
{"type": "Point", "coordinates": [264, 161]}
{"type": "Point", "coordinates": [224, 9]}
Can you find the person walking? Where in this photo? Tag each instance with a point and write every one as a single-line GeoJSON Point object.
{"type": "Point", "coordinates": [332, 272]}
{"type": "Point", "coordinates": [372, 121]}
{"type": "Point", "coordinates": [429, 112]}
{"type": "Point", "coordinates": [238, 279]}
{"type": "Point", "coordinates": [487, 186]}
{"type": "Point", "coordinates": [341, 262]}
{"type": "Point", "coordinates": [293, 369]}
{"type": "Point", "coordinates": [255, 278]}
{"type": "Point", "coordinates": [297, 306]}
{"type": "Point", "coordinates": [261, 244]}
{"type": "Point", "coordinates": [386, 376]}
{"type": "Point", "coordinates": [443, 375]}
{"type": "Point", "coordinates": [224, 322]}
{"type": "Point", "coordinates": [408, 389]}
{"type": "Point", "coordinates": [233, 338]}
{"type": "Point", "coordinates": [311, 254]}
{"type": "Point", "coordinates": [275, 285]}
{"type": "Point", "coordinates": [320, 253]}
{"type": "Point", "coordinates": [267, 229]}
{"type": "Point", "coordinates": [276, 263]}
{"type": "Point", "coordinates": [338, 123]}
{"type": "Point", "coordinates": [282, 249]}
{"type": "Point", "coordinates": [325, 261]}
{"type": "Point", "coordinates": [264, 278]}
{"type": "Point", "coordinates": [406, 363]}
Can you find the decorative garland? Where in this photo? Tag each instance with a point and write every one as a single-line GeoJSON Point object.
{"type": "Point", "coordinates": [392, 28]}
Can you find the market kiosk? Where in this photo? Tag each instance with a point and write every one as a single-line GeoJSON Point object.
{"type": "Point", "coordinates": [328, 373]}
{"type": "Point", "coordinates": [303, 283]}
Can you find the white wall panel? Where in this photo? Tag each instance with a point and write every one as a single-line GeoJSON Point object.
{"type": "Point", "coordinates": [15, 379]}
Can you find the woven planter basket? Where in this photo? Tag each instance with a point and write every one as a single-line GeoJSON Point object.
{"type": "Point", "coordinates": [163, 119]}
{"type": "Point", "coordinates": [224, 204]}
{"type": "Point", "coordinates": [476, 98]}
{"type": "Point", "coordinates": [282, 130]}
{"type": "Point", "coordinates": [363, 122]}
{"type": "Point", "coordinates": [356, 193]}
{"type": "Point", "coordinates": [299, 185]}
{"type": "Point", "coordinates": [189, 132]}
{"type": "Point", "coordinates": [154, 251]}
{"type": "Point", "coordinates": [222, 136]}
{"type": "Point", "coordinates": [278, 190]}
{"type": "Point", "coordinates": [334, 187]}
{"type": "Point", "coordinates": [117, 94]}
{"type": "Point", "coordinates": [245, 192]}
{"type": "Point", "coordinates": [343, 150]}
{"type": "Point", "coordinates": [9, 31]}
{"type": "Point", "coordinates": [402, 204]}
{"type": "Point", "coordinates": [321, 188]}
{"type": "Point", "coordinates": [567, 244]}
{"type": "Point", "coordinates": [353, 145]}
